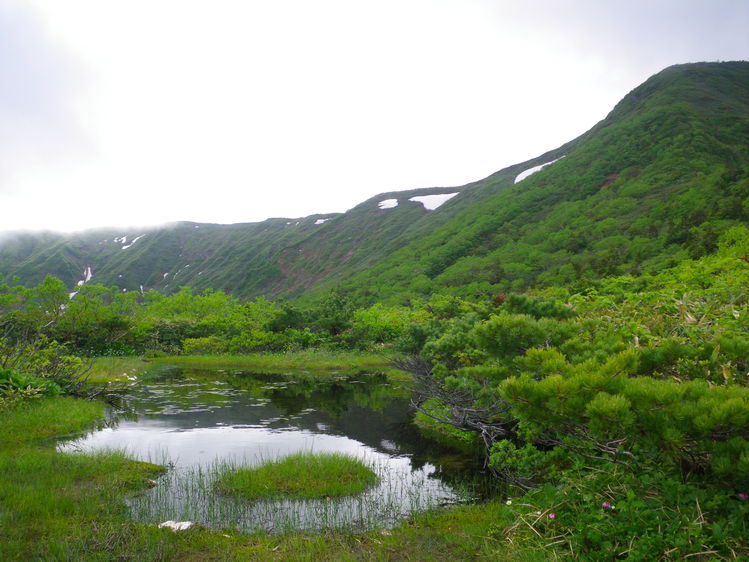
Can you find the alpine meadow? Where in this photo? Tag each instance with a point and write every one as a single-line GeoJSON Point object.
{"type": "Point", "coordinates": [548, 363]}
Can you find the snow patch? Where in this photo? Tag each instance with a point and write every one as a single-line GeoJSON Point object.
{"type": "Point", "coordinates": [87, 275]}
{"type": "Point", "coordinates": [522, 175]}
{"type": "Point", "coordinates": [320, 221]}
{"type": "Point", "coordinates": [431, 202]}
{"type": "Point", "coordinates": [133, 241]}
{"type": "Point", "coordinates": [387, 203]}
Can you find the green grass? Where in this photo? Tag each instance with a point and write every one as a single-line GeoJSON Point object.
{"type": "Point", "coordinates": [116, 369]}
{"type": "Point", "coordinates": [47, 417]}
{"type": "Point", "coordinates": [334, 362]}
{"type": "Point", "coordinates": [303, 475]}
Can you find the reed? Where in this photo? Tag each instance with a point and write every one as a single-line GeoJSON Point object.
{"type": "Point", "coordinates": [201, 493]}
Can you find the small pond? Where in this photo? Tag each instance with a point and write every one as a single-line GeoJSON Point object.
{"type": "Point", "coordinates": [199, 422]}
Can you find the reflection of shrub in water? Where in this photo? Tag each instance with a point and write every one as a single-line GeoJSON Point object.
{"type": "Point", "coordinates": [331, 394]}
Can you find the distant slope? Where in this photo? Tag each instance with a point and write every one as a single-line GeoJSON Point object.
{"type": "Point", "coordinates": [656, 181]}
{"type": "Point", "coordinates": [274, 257]}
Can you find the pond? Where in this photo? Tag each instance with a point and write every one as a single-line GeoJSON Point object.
{"type": "Point", "coordinates": [200, 422]}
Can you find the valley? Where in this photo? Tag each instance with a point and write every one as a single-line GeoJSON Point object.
{"type": "Point", "coordinates": [573, 330]}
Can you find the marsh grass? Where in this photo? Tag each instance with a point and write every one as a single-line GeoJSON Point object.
{"type": "Point", "coordinates": [47, 417]}
{"type": "Point", "coordinates": [321, 362]}
{"type": "Point", "coordinates": [63, 506]}
{"type": "Point", "coordinates": [117, 369]}
{"type": "Point", "coordinates": [304, 475]}
{"type": "Point", "coordinates": [193, 493]}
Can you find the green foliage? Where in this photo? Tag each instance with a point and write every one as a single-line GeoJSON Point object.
{"type": "Point", "coordinates": [301, 475]}
{"type": "Point", "coordinates": [513, 334]}
{"type": "Point", "coordinates": [536, 307]}
{"type": "Point", "coordinates": [210, 345]}
{"type": "Point", "coordinates": [524, 462]}
{"type": "Point", "coordinates": [650, 372]}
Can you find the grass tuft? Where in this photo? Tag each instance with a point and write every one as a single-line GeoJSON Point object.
{"type": "Point", "coordinates": [300, 476]}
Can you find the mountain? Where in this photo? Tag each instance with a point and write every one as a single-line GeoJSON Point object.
{"type": "Point", "coordinates": [656, 181]}
{"type": "Point", "coordinates": [278, 256]}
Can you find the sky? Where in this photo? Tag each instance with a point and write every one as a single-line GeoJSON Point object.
{"type": "Point", "coordinates": [151, 111]}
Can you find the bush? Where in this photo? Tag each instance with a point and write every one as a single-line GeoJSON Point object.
{"type": "Point", "coordinates": [211, 345]}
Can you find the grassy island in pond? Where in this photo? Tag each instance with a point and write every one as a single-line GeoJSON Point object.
{"type": "Point", "coordinates": [300, 476]}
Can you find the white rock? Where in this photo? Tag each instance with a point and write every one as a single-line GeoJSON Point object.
{"type": "Point", "coordinates": [176, 525]}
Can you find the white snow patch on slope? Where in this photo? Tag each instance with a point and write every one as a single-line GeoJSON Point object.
{"type": "Point", "coordinates": [522, 175]}
{"type": "Point", "coordinates": [320, 221]}
{"type": "Point", "coordinates": [87, 275]}
{"type": "Point", "coordinates": [133, 241]}
{"type": "Point", "coordinates": [431, 202]}
{"type": "Point", "coordinates": [387, 203]}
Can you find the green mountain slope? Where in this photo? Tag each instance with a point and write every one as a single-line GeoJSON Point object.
{"type": "Point", "coordinates": [655, 182]}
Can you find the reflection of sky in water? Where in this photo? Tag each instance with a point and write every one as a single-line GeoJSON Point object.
{"type": "Point", "coordinates": [152, 438]}
{"type": "Point", "coordinates": [193, 422]}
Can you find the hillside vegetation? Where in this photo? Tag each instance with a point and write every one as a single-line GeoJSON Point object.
{"type": "Point", "coordinates": [654, 183]}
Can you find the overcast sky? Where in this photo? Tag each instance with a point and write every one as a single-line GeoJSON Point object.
{"type": "Point", "coordinates": [142, 112]}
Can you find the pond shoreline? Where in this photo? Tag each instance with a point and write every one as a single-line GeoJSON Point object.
{"type": "Point", "coordinates": [100, 527]}
{"type": "Point", "coordinates": [119, 369]}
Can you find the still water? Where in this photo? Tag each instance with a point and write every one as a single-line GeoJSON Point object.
{"type": "Point", "coordinates": [199, 422]}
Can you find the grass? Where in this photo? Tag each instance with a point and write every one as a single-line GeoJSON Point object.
{"type": "Point", "coordinates": [291, 362]}
{"type": "Point", "coordinates": [315, 362]}
{"type": "Point", "coordinates": [302, 475]}
{"type": "Point", "coordinates": [44, 418]}
{"type": "Point", "coordinates": [117, 369]}
{"type": "Point", "coordinates": [56, 506]}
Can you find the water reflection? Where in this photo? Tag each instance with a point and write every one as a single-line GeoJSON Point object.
{"type": "Point", "coordinates": [197, 419]}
